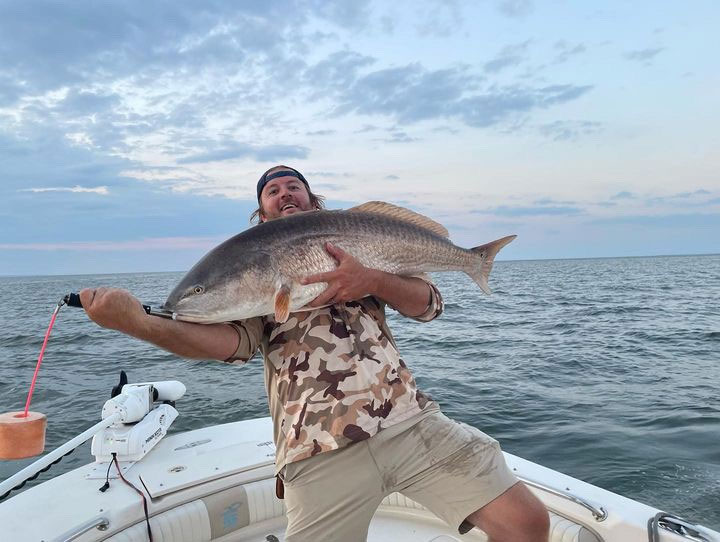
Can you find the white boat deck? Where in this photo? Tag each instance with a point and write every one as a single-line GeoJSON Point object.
{"type": "Point", "coordinates": [217, 484]}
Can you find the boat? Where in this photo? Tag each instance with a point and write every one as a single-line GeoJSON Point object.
{"type": "Point", "coordinates": [218, 484]}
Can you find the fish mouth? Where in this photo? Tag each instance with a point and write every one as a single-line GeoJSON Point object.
{"type": "Point", "coordinates": [196, 318]}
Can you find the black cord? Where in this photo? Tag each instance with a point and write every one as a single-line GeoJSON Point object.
{"type": "Point", "coordinates": [106, 485]}
{"type": "Point", "coordinates": [147, 517]}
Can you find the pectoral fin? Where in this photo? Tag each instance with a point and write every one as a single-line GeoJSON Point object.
{"type": "Point", "coordinates": [282, 304]}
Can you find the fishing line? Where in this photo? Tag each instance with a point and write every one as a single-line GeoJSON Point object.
{"type": "Point", "coordinates": [42, 353]}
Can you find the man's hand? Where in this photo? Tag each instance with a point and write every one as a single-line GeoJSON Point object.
{"type": "Point", "coordinates": [349, 281]}
{"type": "Point", "coordinates": [113, 308]}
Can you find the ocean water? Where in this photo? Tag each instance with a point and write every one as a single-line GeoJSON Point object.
{"type": "Point", "coordinates": [605, 369]}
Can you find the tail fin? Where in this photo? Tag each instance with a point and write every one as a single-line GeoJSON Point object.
{"type": "Point", "coordinates": [487, 254]}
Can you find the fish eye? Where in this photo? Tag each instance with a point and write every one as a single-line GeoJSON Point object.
{"type": "Point", "coordinates": [198, 289]}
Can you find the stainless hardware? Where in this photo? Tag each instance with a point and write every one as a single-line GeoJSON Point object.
{"type": "Point", "coordinates": [678, 526]}
{"type": "Point", "coordinates": [598, 512]}
{"type": "Point", "coordinates": [99, 523]}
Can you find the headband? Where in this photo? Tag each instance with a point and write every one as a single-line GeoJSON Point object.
{"type": "Point", "coordinates": [289, 172]}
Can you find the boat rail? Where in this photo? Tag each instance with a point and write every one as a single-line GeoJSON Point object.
{"type": "Point", "coordinates": [598, 512]}
{"type": "Point", "coordinates": [100, 523]}
{"type": "Point", "coordinates": [679, 526]}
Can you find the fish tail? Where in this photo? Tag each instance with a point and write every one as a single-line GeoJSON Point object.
{"type": "Point", "coordinates": [486, 255]}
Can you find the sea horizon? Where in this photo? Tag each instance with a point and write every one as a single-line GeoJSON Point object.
{"type": "Point", "coordinates": [498, 260]}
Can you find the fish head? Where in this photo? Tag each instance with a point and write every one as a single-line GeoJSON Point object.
{"type": "Point", "coordinates": [223, 286]}
{"type": "Point", "coordinates": [199, 298]}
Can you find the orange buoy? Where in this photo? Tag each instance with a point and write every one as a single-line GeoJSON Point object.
{"type": "Point", "coordinates": [22, 436]}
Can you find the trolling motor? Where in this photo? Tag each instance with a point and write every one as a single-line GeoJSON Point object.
{"type": "Point", "coordinates": [132, 424]}
{"type": "Point", "coordinates": [139, 424]}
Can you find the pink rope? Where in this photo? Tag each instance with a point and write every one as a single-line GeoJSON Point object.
{"type": "Point", "coordinates": [39, 361]}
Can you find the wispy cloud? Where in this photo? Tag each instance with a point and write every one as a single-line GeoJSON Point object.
{"type": "Point", "coordinates": [412, 93]}
{"type": "Point", "coordinates": [232, 151]}
{"type": "Point", "coordinates": [567, 50]}
{"type": "Point", "coordinates": [623, 195]}
{"type": "Point", "coordinates": [510, 55]}
{"type": "Point", "coordinates": [569, 130]}
{"type": "Point", "coordinates": [150, 244]}
{"type": "Point", "coordinates": [515, 8]}
{"type": "Point", "coordinates": [320, 133]}
{"type": "Point", "coordinates": [103, 190]}
{"type": "Point", "coordinates": [530, 211]}
{"type": "Point", "coordinates": [643, 55]}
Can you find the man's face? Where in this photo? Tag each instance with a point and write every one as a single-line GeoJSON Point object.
{"type": "Point", "coordinates": [284, 196]}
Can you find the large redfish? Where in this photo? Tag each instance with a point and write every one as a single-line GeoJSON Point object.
{"type": "Point", "coordinates": [258, 271]}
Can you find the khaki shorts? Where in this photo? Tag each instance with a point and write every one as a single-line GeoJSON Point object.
{"type": "Point", "coordinates": [448, 467]}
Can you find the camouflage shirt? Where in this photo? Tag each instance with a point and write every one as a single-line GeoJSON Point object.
{"type": "Point", "coordinates": [333, 375]}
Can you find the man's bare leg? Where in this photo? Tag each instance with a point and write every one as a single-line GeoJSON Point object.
{"type": "Point", "coordinates": [515, 516]}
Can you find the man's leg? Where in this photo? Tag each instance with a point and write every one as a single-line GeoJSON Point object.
{"type": "Point", "coordinates": [332, 496]}
{"type": "Point", "coordinates": [515, 516]}
{"type": "Point", "coordinates": [460, 473]}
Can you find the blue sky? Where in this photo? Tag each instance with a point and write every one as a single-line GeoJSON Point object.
{"type": "Point", "coordinates": [132, 133]}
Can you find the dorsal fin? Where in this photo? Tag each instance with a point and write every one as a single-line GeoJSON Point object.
{"type": "Point", "coordinates": [383, 208]}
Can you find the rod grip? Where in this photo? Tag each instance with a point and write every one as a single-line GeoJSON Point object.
{"type": "Point", "coordinates": [73, 300]}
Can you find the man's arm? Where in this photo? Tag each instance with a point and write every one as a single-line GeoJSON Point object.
{"type": "Point", "coordinates": [411, 296]}
{"type": "Point", "coordinates": [118, 309]}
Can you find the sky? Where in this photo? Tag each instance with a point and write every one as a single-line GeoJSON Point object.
{"type": "Point", "coordinates": [132, 134]}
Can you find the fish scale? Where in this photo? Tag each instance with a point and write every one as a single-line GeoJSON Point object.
{"type": "Point", "coordinates": [258, 271]}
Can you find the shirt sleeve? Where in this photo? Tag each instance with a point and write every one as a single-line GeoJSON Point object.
{"type": "Point", "coordinates": [249, 336]}
{"type": "Point", "coordinates": [435, 302]}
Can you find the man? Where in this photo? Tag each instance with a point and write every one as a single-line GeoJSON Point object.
{"type": "Point", "coordinates": [350, 425]}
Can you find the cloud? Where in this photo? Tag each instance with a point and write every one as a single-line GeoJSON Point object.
{"type": "Point", "coordinates": [530, 211]}
{"type": "Point", "coordinates": [566, 50]}
{"type": "Point", "coordinates": [511, 55]}
{"type": "Point", "coordinates": [82, 102]}
{"type": "Point", "coordinates": [623, 195]}
{"type": "Point", "coordinates": [569, 130]}
{"type": "Point", "coordinates": [367, 128]}
{"type": "Point", "coordinates": [412, 93]}
{"type": "Point", "coordinates": [551, 201]}
{"type": "Point", "coordinates": [399, 137]}
{"type": "Point", "coordinates": [149, 244]}
{"type": "Point", "coordinates": [102, 190]}
{"type": "Point", "coordinates": [643, 55]}
{"type": "Point", "coordinates": [327, 174]}
{"type": "Point", "coordinates": [48, 44]}
{"type": "Point", "coordinates": [232, 151]}
{"type": "Point", "coordinates": [42, 156]}
{"type": "Point", "coordinates": [391, 177]}
{"type": "Point", "coordinates": [320, 133]}
{"type": "Point", "coordinates": [439, 19]}
{"type": "Point", "coordinates": [500, 104]}
{"type": "Point", "coordinates": [337, 71]}
{"type": "Point", "coordinates": [668, 220]}
{"type": "Point", "coordinates": [515, 8]}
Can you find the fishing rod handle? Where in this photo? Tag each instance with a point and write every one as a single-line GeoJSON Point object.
{"type": "Point", "coordinates": [73, 300]}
